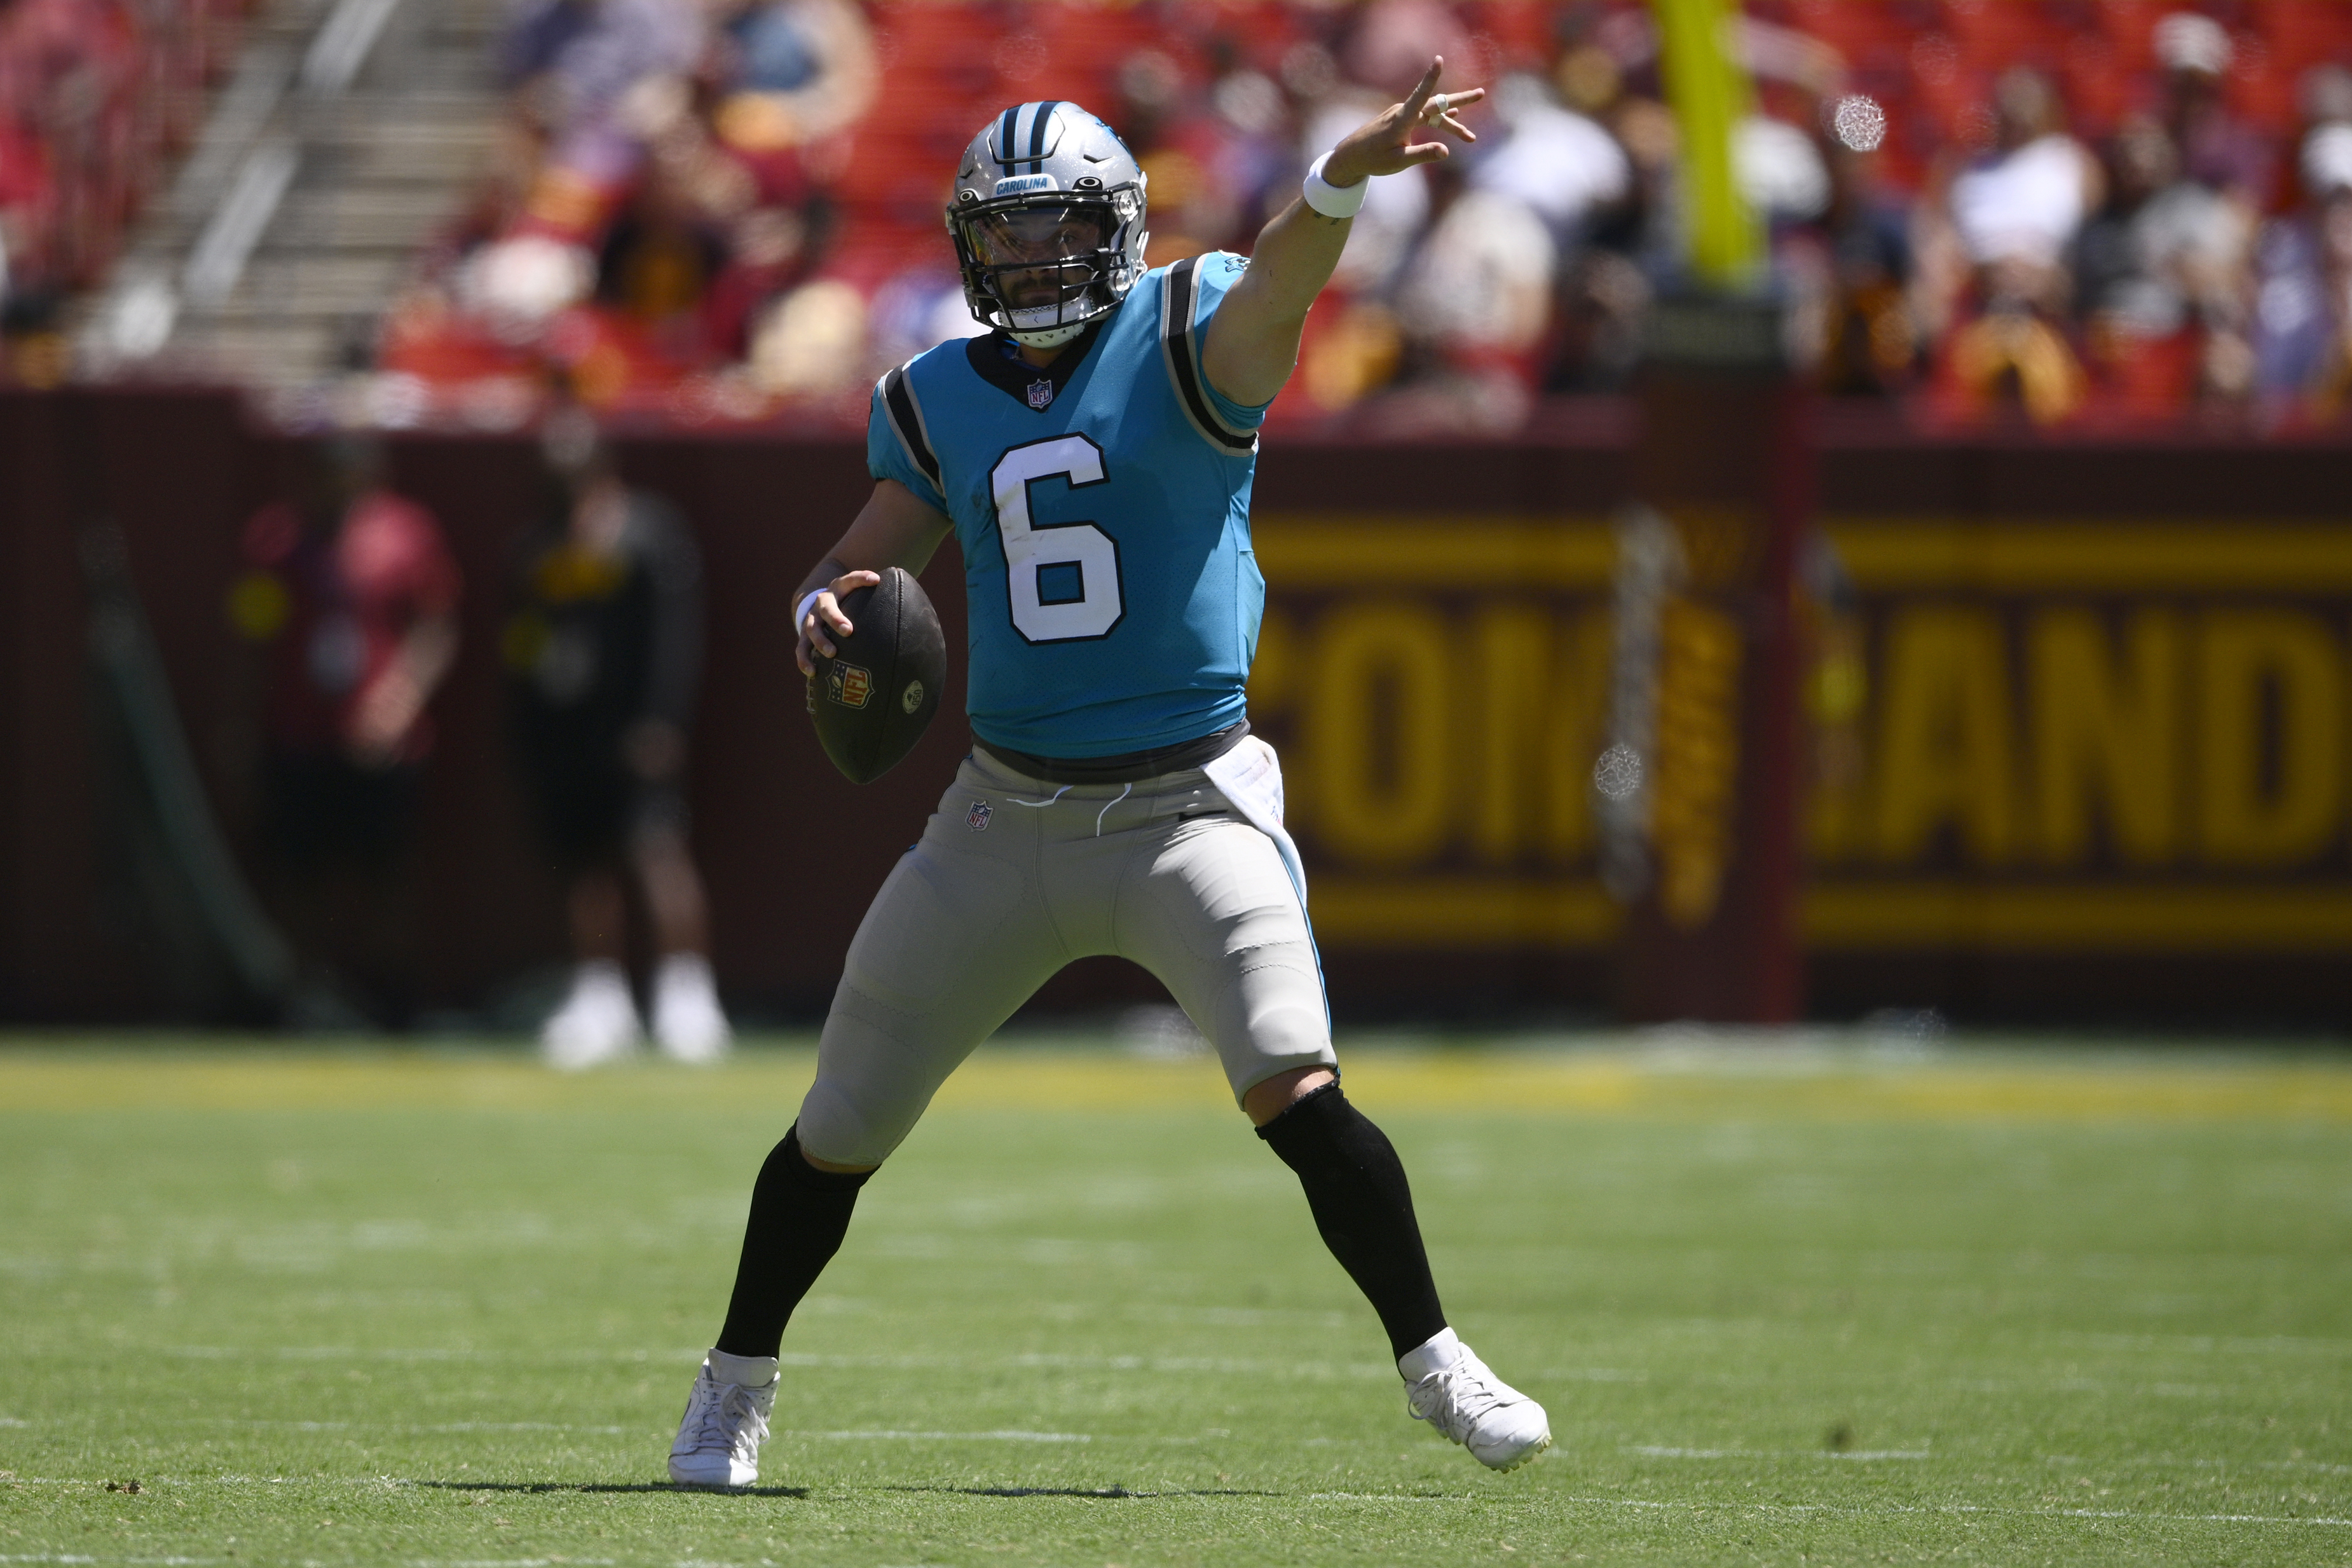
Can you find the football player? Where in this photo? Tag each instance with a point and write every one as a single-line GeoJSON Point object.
{"type": "Point", "coordinates": [1092, 453]}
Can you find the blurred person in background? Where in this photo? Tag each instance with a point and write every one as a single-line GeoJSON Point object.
{"type": "Point", "coordinates": [1787, 183]}
{"type": "Point", "coordinates": [785, 80]}
{"type": "Point", "coordinates": [2302, 296]}
{"type": "Point", "coordinates": [2215, 148]}
{"type": "Point", "coordinates": [604, 657]}
{"type": "Point", "coordinates": [1474, 304]}
{"type": "Point", "coordinates": [1211, 156]}
{"type": "Point", "coordinates": [1630, 243]}
{"type": "Point", "coordinates": [2161, 278]}
{"type": "Point", "coordinates": [789, 74]}
{"type": "Point", "coordinates": [2006, 223]}
{"type": "Point", "coordinates": [605, 80]}
{"type": "Point", "coordinates": [666, 247]}
{"type": "Point", "coordinates": [351, 591]}
{"type": "Point", "coordinates": [1555, 163]}
{"type": "Point", "coordinates": [585, 59]}
{"type": "Point", "coordinates": [1872, 346]}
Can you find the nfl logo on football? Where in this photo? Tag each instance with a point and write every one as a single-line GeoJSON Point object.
{"type": "Point", "coordinates": [852, 687]}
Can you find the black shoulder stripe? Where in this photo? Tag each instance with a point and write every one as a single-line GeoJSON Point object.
{"type": "Point", "coordinates": [1176, 340]}
{"type": "Point", "coordinates": [907, 420]}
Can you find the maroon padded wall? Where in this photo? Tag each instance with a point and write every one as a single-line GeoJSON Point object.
{"type": "Point", "coordinates": [792, 851]}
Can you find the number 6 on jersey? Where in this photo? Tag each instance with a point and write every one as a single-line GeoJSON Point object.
{"type": "Point", "coordinates": [1063, 577]}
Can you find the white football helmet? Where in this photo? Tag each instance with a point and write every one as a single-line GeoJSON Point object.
{"type": "Point", "coordinates": [1047, 220]}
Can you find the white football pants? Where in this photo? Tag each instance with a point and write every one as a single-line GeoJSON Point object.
{"type": "Point", "coordinates": [1015, 878]}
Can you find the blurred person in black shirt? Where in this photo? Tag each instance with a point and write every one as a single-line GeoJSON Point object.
{"type": "Point", "coordinates": [2160, 278]}
{"type": "Point", "coordinates": [603, 654]}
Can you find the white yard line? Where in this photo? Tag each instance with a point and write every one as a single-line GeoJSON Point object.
{"type": "Point", "coordinates": [2124, 1515]}
{"type": "Point", "coordinates": [2127, 1515]}
{"type": "Point", "coordinates": [2317, 1467]}
{"type": "Point", "coordinates": [1007, 1437]}
{"type": "Point", "coordinates": [1179, 1366]}
{"type": "Point", "coordinates": [1653, 1452]}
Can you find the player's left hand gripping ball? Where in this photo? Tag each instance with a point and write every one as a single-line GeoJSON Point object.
{"type": "Point", "coordinates": [875, 695]}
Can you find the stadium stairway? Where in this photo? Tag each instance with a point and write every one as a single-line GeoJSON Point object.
{"type": "Point", "coordinates": [349, 132]}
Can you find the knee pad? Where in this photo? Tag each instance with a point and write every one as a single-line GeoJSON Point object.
{"type": "Point", "coordinates": [834, 1127]}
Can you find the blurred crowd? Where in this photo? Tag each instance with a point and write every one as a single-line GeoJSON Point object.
{"type": "Point", "coordinates": [2060, 211]}
{"type": "Point", "coordinates": [96, 98]}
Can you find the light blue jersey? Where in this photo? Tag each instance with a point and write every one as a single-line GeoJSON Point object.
{"type": "Point", "coordinates": [1103, 509]}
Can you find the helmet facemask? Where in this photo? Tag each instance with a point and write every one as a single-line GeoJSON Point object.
{"type": "Point", "coordinates": [1043, 264]}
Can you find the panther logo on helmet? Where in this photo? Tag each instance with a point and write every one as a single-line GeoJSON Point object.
{"type": "Point", "coordinates": [1047, 220]}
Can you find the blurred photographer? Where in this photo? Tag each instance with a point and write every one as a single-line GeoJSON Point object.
{"type": "Point", "coordinates": [603, 654]}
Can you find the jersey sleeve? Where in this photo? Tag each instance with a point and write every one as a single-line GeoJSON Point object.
{"type": "Point", "coordinates": [898, 444]}
{"type": "Point", "coordinates": [1219, 271]}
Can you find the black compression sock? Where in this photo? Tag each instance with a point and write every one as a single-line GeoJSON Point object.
{"type": "Point", "coordinates": [799, 1214]}
{"type": "Point", "coordinates": [1355, 1186]}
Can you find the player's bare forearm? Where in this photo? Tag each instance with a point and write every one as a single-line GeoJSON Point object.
{"type": "Point", "coordinates": [895, 527]}
{"type": "Point", "coordinates": [1253, 342]}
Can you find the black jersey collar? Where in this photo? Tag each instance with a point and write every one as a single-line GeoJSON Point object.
{"type": "Point", "coordinates": [997, 360]}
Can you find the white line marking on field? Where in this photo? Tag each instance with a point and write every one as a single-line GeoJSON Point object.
{"type": "Point", "coordinates": [2320, 1466]}
{"type": "Point", "coordinates": [1181, 1367]}
{"type": "Point", "coordinates": [2273, 1345]}
{"type": "Point", "coordinates": [1651, 1451]}
{"type": "Point", "coordinates": [1735, 1507]}
{"type": "Point", "coordinates": [418, 1353]}
{"type": "Point", "coordinates": [395, 1427]}
{"type": "Point", "coordinates": [2116, 1513]}
{"type": "Point", "coordinates": [1003, 1437]}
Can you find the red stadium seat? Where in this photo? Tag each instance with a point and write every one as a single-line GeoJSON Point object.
{"type": "Point", "coordinates": [2305, 33]}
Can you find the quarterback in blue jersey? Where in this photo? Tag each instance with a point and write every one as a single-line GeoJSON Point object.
{"type": "Point", "coordinates": [1092, 454]}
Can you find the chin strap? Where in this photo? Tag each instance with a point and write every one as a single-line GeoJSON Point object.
{"type": "Point", "coordinates": [1053, 337]}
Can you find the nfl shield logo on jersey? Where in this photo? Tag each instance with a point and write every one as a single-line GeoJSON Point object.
{"type": "Point", "coordinates": [1040, 393]}
{"type": "Point", "coordinates": [977, 818]}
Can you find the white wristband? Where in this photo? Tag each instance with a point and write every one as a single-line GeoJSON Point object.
{"type": "Point", "coordinates": [1332, 200]}
{"type": "Point", "coordinates": [800, 618]}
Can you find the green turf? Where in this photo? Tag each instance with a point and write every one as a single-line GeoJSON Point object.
{"type": "Point", "coordinates": [375, 1307]}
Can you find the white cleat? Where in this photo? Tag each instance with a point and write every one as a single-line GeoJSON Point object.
{"type": "Point", "coordinates": [688, 1020]}
{"type": "Point", "coordinates": [597, 1022]}
{"type": "Point", "coordinates": [1448, 1386]}
{"type": "Point", "coordinates": [726, 1421]}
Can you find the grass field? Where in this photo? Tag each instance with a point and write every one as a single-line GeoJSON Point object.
{"type": "Point", "coordinates": [1985, 1305]}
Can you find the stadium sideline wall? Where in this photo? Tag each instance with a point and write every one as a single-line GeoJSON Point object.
{"type": "Point", "coordinates": [2091, 758]}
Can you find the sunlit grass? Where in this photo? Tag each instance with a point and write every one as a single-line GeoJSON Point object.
{"type": "Point", "coordinates": [1812, 1303]}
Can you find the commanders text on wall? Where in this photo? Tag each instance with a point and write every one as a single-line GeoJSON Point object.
{"type": "Point", "coordinates": [2044, 733]}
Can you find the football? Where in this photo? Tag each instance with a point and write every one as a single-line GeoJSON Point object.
{"type": "Point", "coordinates": [875, 697]}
